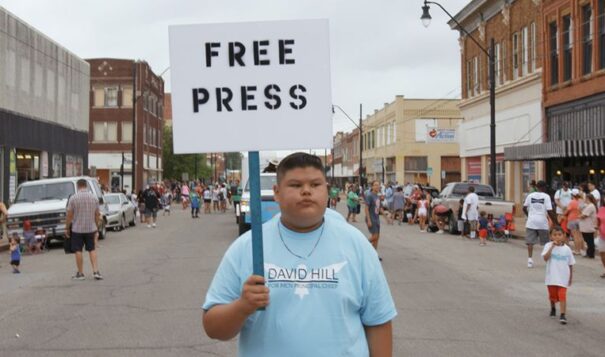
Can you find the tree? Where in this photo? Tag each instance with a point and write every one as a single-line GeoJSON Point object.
{"type": "Point", "coordinates": [175, 165]}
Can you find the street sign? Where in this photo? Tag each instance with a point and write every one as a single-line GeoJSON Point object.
{"type": "Point", "coordinates": [429, 171]}
{"type": "Point", "coordinates": [269, 81]}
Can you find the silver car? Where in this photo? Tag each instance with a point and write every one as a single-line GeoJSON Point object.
{"type": "Point", "coordinates": [122, 212]}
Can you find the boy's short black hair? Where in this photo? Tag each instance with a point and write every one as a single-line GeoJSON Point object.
{"type": "Point", "coordinates": [298, 160]}
{"type": "Point", "coordinates": [556, 229]}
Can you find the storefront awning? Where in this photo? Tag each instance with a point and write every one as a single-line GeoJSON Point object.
{"type": "Point", "coordinates": [556, 149]}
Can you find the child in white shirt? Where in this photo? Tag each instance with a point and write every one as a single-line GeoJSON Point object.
{"type": "Point", "coordinates": [559, 271]}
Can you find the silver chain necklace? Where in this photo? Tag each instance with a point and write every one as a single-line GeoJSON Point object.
{"type": "Point", "coordinates": [323, 225]}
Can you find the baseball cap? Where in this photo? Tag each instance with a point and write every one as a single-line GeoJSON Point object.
{"type": "Point", "coordinates": [575, 192]}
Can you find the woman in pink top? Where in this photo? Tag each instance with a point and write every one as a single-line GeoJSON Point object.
{"type": "Point", "coordinates": [572, 212]}
{"type": "Point", "coordinates": [601, 240]}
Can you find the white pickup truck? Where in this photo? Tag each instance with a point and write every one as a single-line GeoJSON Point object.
{"type": "Point", "coordinates": [44, 204]}
{"type": "Point", "coordinates": [453, 192]}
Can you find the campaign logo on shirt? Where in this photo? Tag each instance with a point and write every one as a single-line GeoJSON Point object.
{"type": "Point", "coordinates": [537, 200]}
{"type": "Point", "coordinates": [302, 278]}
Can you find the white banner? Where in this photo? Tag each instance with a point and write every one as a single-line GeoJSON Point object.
{"type": "Point", "coordinates": [251, 86]}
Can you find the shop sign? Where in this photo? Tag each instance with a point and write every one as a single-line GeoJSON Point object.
{"type": "Point", "coordinates": [436, 135]}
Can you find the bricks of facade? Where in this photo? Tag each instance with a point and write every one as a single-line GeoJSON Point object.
{"type": "Point", "coordinates": [580, 85]}
{"type": "Point", "coordinates": [510, 18]}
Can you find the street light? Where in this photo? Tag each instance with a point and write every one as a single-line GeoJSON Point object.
{"type": "Point", "coordinates": [426, 21]}
{"type": "Point", "coordinates": [360, 139]}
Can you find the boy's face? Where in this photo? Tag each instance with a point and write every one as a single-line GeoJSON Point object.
{"type": "Point", "coordinates": [375, 186]}
{"type": "Point", "coordinates": [557, 237]}
{"type": "Point", "coordinates": [302, 196]}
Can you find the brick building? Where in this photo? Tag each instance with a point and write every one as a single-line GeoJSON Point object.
{"type": "Point", "coordinates": [574, 92]}
{"type": "Point", "coordinates": [123, 92]}
{"type": "Point", "coordinates": [516, 27]}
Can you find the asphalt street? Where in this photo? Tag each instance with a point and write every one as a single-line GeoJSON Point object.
{"type": "Point", "coordinates": [454, 298]}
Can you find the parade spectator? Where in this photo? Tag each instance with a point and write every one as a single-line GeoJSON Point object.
{"type": "Point", "coordinates": [207, 199]}
{"type": "Point", "coordinates": [562, 199]}
{"type": "Point", "coordinates": [334, 196]}
{"type": "Point", "coordinates": [166, 202]}
{"type": "Point", "coordinates": [15, 250]}
{"type": "Point", "coordinates": [152, 203]}
{"type": "Point", "coordinates": [588, 221]}
{"type": "Point", "coordinates": [352, 201]}
{"type": "Point", "coordinates": [601, 226]}
{"type": "Point", "coordinates": [185, 195]}
{"type": "Point", "coordinates": [460, 218]}
{"type": "Point", "coordinates": [422, 212]}
{"type": "Point", "coordinates": [559, 271]}
{"type": "Point", "coordinates": [296, 314]}
{"type": "Point", "coordinates": [483, 227]}
{"type": "Point", "coordinates": [141, 201]}
{"type": "Point", "coordinates": [3, 220]}
{"type": "Point", "coordinates": [215, 201]}
{"type": "Point", "coordinates": [195, 204]}
{"type": "Point", "coordinates": [398, 205]}
{"type": "Point", "coordinates": [439, 215]}
{"type": "Point", "coordinates": [595, 193]}
{"type": "Point", "coordinates": [388, 196]}
{"type": "Point", "coordinates": [471, 211]}
{"type": "Point", "coordinates": [537, 207]}
{"type": "Point", "coordinates": [373, 207]}
{"type": "Point", "coordinates": [572, 215]}
{"type": "Point", "coordinates": [81, 227]}
{"type": "Point", "coordinates": [236, 195]}
{"type": "Point", "coordinates": [222, 198]}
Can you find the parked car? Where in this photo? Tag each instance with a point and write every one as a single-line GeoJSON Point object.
{"type": "Point", "coordinates": [269, 207]}
{"type": "Point", "coordinates": [44, 204]}
{"type": "Point", "coordinates": [122, 212]}
{"type": "Point", "coordinates": [454, 191]}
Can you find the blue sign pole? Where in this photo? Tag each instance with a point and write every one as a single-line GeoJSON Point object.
{"type": "Point", "coordinates": [255, 209]}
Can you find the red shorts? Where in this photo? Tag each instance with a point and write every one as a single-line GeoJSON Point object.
{"type": "Point", "coordinates": [483, 233]}
{"type": "Point", "coordinates": [557, 293]}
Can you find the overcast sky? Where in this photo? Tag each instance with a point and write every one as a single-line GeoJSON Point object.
{"type": "Point", "coordinates": [379, 48]}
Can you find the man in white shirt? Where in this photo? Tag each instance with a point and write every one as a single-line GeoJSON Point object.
{"type": "Point", "coordinates": [562, 199]}
{"type": "Point", "coordinates": [595, 193]}
{"type": "Point", "coordinates": [537, 206]}
{"type": "Point", "coordinates": [470, 211]}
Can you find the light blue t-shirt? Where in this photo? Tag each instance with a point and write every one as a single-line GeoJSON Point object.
{"type": "Point", "coordinates": [318, 304]}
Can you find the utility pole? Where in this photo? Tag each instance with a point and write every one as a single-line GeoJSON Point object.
{"type": "Point", "coordinates": [360, 146]}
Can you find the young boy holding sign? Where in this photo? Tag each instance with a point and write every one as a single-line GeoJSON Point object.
{"type": "Point", "coordinates": [324, 290]}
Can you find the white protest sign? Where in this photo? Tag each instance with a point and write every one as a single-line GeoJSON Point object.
{"type": "Point", "coordinates": [251, 86]}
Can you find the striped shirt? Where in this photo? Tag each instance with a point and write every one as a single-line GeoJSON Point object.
{"type": "Point", "coordinates": [83, 205]}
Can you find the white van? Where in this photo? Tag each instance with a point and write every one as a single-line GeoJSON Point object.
{"type": "Point", "coordinates": [44, 204]}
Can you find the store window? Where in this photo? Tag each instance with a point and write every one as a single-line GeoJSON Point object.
{"type": "Point", "coordinates": [529, 174]}
{"type": "Point", "coordinates": [57, 165]}
{"type": "Point", "coordinates": [567, 47]}
{"type": "Point", "coordinates": [111, 97]}
{"type": "Point", "coordinates": [73, 165]}
{"type": "Point", "coordinates": [500, 175]}
{"type": "Point", "coordinates": [28, 165]}
{"type": "Point", "coordinates": [554, 53]}
{"type": "Point", "coordinates": [127, 96]}
{"type": "Point", "coordinates": [126, 132]}
{"type": "Point", "coordinates": [586, 39]}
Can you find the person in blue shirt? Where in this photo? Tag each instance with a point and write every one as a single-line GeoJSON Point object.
{"type": "Point", "coordinates": [15, 250]}
{"type": "Point", "coordinates": [324, 290]}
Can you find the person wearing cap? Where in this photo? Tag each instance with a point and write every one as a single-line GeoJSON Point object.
{"type": "Point", "coordinates": [562, 199]}
{"type": "Point", "coordinates": [536, 207]}
{"type": "Point", "coordinates": [572, 213]}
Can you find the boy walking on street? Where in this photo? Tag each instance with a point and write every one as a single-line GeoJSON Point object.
{"type": "Point", "coordinates": [559, 271]}
{"type": "Point", "coordinates": [15, 253]}
{"type": "Point", "coordinates": [330, 267]}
